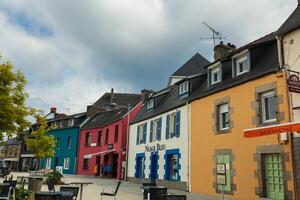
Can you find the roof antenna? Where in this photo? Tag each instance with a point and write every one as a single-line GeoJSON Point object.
{"type": "Point", "coordinates": [215, 34]}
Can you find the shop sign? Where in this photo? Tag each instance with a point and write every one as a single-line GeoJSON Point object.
{"type": "Point", "coordinates": [157, 147]}
{"type": "Point", "coordinates": [93, 144]}
{"type": "Point", "coordinates": [293, 83]}
{"type": "Point", "coordinates": [270, 130]}
{"type": "Point", "coordinates": [221, 174]}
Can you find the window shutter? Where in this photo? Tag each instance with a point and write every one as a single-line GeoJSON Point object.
{"type": "Point", "coordinates": [151, 131]}
{"type": "Point", "coordinates": [145, 133]}
{"type": "Point", "coordinates": [158, 135]}
{"type": "Point", "coordinates": [168, 127]}
{"type": "Point", "coordinates": [137, 135]}
{"type": "Point", "coordinates": [177, 131]}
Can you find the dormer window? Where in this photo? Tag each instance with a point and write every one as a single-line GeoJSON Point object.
{"type": "Point", "coordinates": [214, 74]}
{"type": "Point", "coordinates": [71, 122]}
{"type": "Point", "coordinates": [184, 88]}
{"type": "Point", "coordinates": [150, 104]}
{"type": "Point", "coordinates": [241, 63]}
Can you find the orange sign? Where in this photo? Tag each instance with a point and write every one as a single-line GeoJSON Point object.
{"type": "Point", "coordinates": [270, 130]}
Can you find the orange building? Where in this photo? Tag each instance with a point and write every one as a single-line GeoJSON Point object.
{"type": "Point", "coordinates": [244, 88]}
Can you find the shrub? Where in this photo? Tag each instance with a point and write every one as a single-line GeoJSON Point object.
{"type": "Point", "coordinates": [54, 177]}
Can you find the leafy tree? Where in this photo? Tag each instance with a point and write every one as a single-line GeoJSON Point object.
{"type": "Point", "coordinates": [13, 110]}
{"type": "Point", "coordinates": [38, 142]}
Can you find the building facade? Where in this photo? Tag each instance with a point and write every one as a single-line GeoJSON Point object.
{"type": "Point", "coordinates": [159, 136]}
{"type": "Point", "coordinates": [12, 153]}
{"type": "Point", "coordinates": [244, 89]}
{"type": "Point", "coordinates": [66, 135]}
{"type": "Point", "coordinates": [103, 139]}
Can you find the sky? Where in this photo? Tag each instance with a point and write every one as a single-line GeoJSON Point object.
{"type": "Point", "coordinates": [72, 52]}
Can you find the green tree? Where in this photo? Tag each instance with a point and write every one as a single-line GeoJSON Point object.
{"type": "Point", "coordinates": [38, 142]}
{"type": "Point", "coordinates": [13, 110]}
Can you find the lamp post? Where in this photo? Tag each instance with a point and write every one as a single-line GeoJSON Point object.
{"type": "Point", "coordinates": [127, 136]}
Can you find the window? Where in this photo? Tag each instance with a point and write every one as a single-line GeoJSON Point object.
{"type": "Point", "coordinates": [66, 163]}
{"type": "Point", "coordinates": [242, 65]}
{"type": "Point", "coordinates": [215, 75]}
{"type": "Point", "coordinates": [116, 133]}
{"type": "Point", "coordinates": [223, 117]}
{"type": "Point", "coordinates": [57, 143]}
{"type": "Point", "coordinates": [172, 159]}
{"type": "Point", "coordinates": [155, 130]}
{"type": "Point", "coordinates": [225, 159]}
{"type": "Point", "coordinates": [69, 142]}
{"type": "Point", "coordinates": [88, 139]}
{"type": "Point", "coordinates": [184, 88]}
{"type": "Point", "coordinates": [141, 133]}
{"type": "Point", "coordinates": [99, 140]}
{"type": "Point", "coordinates": [106, 136]}
{"type": "Point", "coordinates": [268, 107]}
{"type": "Point", "coordinates": [140, 166]}
{"type": "Point", "coordinates": [172, 125]}
{"type": "Point", "coordinates": [86, 163]}
{"type": "Point", "coordinates": [71, 122]}
{"type": "Point", "coordinates": [60, 124]}
{"type": "Point", "coordinates": [48, 163]}
{"type": "Point", "coordinates": [150, 104]}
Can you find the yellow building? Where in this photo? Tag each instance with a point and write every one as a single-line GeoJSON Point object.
{"type": "Point", "coordinates": [244, 88]}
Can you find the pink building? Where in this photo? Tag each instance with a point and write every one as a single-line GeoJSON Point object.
{"type": "Point", "coordinates": [103, 140]}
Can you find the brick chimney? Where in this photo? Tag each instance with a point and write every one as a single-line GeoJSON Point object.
{"type": "Point", "coordinates": [146, 93]}
{"type": "Point", "coordinates": [112, 95]}
{"type": "Point", "coordinates": [222, 50]}
{"type": "Point", "coordinates": [53, 110]}
{"type": "Point", "coordinates": [93, 110]}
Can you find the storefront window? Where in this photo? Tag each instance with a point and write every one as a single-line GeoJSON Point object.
{"type": "Point", "coordinates": [48, 163]}
{"type": "Point", "coordinates": [172, 165]}
{"type": "Point", "coordinates": [66, 163]}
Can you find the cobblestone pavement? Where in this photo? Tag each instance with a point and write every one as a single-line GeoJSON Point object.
{"type": "Point", "coordinates": [127, 191]}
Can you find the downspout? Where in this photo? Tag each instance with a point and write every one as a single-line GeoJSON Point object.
{"type": "Point", "coordinates": [189, 146]}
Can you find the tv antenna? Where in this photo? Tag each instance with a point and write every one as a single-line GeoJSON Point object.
{"type": "Point", "coordinates": [216, 35]}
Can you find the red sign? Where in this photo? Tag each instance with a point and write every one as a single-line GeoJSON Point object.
{"type": "Point", "coordinates": [270, 130]}
{"type": "Point", "coordinates": [293, 83]}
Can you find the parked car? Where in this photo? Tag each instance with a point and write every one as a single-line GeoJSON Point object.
{"type": "Point", "coordinates": [4, 168]}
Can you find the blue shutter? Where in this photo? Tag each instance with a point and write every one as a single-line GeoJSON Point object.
{"type": "Point", "coordinates": [151, 131]}
{"type": "Point", "coordinates": [158, 134]}
{"type": "Point", "coordinates": [137, 135]}
{"type": "Point", "coordinates": [168, 127]}
{"type": "Point", "coordinates": [145, 133]}
{"type": "Point", "coordinates": [177, 128]}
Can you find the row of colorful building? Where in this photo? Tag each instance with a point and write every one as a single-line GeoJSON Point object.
{"type": "Point", "coordinates": [199, 133]}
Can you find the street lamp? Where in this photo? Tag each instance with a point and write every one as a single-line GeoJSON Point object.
{"type": "Point", "coordinates": [127, 137]}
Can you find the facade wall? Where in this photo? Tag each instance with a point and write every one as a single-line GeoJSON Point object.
{"type": "Point", "coordinates": [244, 154]}
{"type": "Point", "coordinates": [176, 143]}
{"type": "Point", "coordinates": [63, 151]}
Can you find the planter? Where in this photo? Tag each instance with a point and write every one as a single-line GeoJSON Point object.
{"type": "Point", "coordinates": [35, 184]}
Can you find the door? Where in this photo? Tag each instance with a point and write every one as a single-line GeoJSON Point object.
{"type": "Point", "coordinates": [272, 176]}
{"type": "Point", "coordinates": [154, 164]}
{"type": "Point", "coordinates": [115, 166]}
{"type": "Point", "coordinates": [56, 163]}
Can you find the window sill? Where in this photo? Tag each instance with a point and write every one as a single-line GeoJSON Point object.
{"type": "Point", "coordinates": [224, 131]}
{"type": "Point", "coordinates": [241, 73]}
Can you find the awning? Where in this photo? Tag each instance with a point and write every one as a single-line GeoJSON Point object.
{"type": "Point", "coordinates": [98, 153]}
{"type": "Point", "coordinates": [270, 130]}
{"type": "Point", "coordinates": [11, 159]}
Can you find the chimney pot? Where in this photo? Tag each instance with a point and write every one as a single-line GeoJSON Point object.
{"type": "Point", "coordinates": [53, 110]}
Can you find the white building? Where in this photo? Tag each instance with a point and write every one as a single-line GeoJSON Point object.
{"type": "Point", "coordinates": [160, 134]}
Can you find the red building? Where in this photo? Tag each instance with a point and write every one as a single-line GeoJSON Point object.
{"type": "Point", "coordinates": [103, 140]}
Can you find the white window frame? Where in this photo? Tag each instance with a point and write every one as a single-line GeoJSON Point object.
{"type": "Point", "coordinates": [241, 60]}
{"type": "Point", "coordinates": [60, 124]}
{"type": "Point", "coordinates": [154, 131]}
{"type": "Point", "coordinates": [150, 104]}
{"type": "Point", "coordinates": [223, 108]}
{"type": "Point", "coordinates": [66, 163]}
{"type": "Point", "coordinates": [184, 88]}
{"type": "Point", "coordinates": [48, 163]}
{"type": "Point", "coordinates": [172, 125]}
{"type": "Point", "coordinates": [71, 122]}
{"type": "Point", "coordinates": [265, 95]}
{"type": "Point", "coordinates": [141, 134]}
{"type": "Point", "coordinates": [215, 70]}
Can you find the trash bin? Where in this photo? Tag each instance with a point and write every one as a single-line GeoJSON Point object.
{"type": "Point", "coordinates": [154, 192]}
{"type": "Point", "coordinates": [35, 184]}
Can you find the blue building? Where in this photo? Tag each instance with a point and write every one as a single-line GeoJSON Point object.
{"type": "Point", "coordinates": [66, 132]}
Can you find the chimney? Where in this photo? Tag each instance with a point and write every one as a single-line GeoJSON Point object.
{"type": "Point", "coordinates": [145, 94]}
{"type": "Point", "coordinates": [222, 50]}
{"type": "Point", "coordinates": [53, 110]}
{"type": "Point", "coordinates": [93, 110]}
{"type": "Point", "coordinates": [112, 95]}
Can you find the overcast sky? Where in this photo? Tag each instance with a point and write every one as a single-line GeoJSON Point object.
{"type": "Point", "coordinates": [73, 51]}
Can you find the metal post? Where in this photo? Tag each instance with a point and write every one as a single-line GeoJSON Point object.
{"type": "Point", "coordinates": [222, 192]}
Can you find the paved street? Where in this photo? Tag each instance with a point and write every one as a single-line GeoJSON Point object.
{"type": "Point", "coordinates": [127, 191]}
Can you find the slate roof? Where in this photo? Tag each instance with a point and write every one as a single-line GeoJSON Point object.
{"type": "Point", "coordinates": [13, 141]}
{"type": "Point", "coordinates": [103, 119]}
{"type": "Point", "coordinates": [121, 99]}
{"type": "Point", "coordinates": [264, 60]}
{"type": "Point", "coordinates": [194, 65]}
{"type": "Point", "coordinates": [292, 23]}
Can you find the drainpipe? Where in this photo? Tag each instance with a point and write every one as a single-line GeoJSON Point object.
{"type": "Point", "coordinates": [189, 146]}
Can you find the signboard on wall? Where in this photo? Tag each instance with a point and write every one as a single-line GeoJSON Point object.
{"type": "Point", "coordinates": [157, 147]}
{"type": "Point", "coordinates": [293, 83]}
{"type": "Point", "coordinates": [221, 173]}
